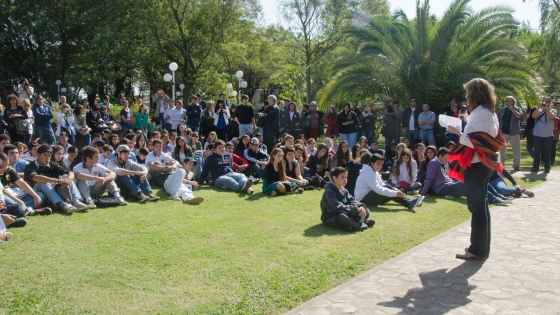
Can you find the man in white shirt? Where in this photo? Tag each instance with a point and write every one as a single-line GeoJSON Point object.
{"type": "Point", "coordinates": [167, 175]}
{"type": "Point", "coordinates": [177, 115]}
{"type": "Point", "coordinates": [167, 115]}
{"type": "Point", "coordinates": [370, 188]}
{"type": "Point", "coordinates": [95, 179]}
{"type": "Point", "coordinates": [410, 121]}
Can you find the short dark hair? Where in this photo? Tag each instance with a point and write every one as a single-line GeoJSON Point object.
{"type": "Point", "coordinates": [229, 144]}
{"type": "Point", "coordinates": [337, 171]}
{"type": "Point", "coordinates": [419, 145]}
{"type": "Point", "coordinates": [89, 152]}
{"type": "Point", "coordinates": [374, 141]}
{"type": "Point", "coordinates": [442, 151]}
{"type": "Point", "coordinates": [390, 109]}
{"type": "Point", "coordinates": [107, 148]}
{"type": "Point", "coordinates": [95, 135]}
{"type": "Point", "coordinates": [9, 147]}
{"type": "Point", "coordinates": [210, 146]}
{"type": "Point", "coordinates": [396, 102]}
{"type": "Point", "coordinates": [125, 141]}
{"type": "Point", "coordinates": [44, 148]}
{"type": "Point", "coordinates": [72, 149]}
{"type": "Point", "coordinates": [155, 141]}
{"type": "Point", "coordinates": [412, 98]}
{"type": "Point", "coordinates": [244, 97]}
{"type": "Point", "coordinates": [368, 158]}
{"type": "Point", "coordinates": [3, 157]}
{"type": "Point", "coordinates": [63, 134]}
{"type": "Point", "coordinates": [130, 136]}
{"type": "Point", "coordinates": [4, 137]}
{"type": "Point", "coordinates": [143, 151]}
{"type": "Point", "coordinates": [219, 143]}
{"type": "Point", "coordinates": [94, 108]}
{"type": "Point", "coordinates": [32, 145]}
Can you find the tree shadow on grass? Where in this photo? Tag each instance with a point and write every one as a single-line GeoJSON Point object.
{"type": "Point", "coordinates": [441, 291]}
{"type": "Point", "coordinates": [320, 230]}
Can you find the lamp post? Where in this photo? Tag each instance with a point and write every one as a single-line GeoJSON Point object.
{"type": "Point", "coordinates": [58, 83]}
{"type": "Point", "coordinates": [182, 87]}
{"type": "Point", "coordinates": [167, 78]}
{"type": "Point", "coordinates": [228, 87]}
{"type": "Point", "coordinates": [62, 90]}
{"type": "Point", "coordinates": [239, 75]}
{"type": "Point", "coordinates": [173, 67]}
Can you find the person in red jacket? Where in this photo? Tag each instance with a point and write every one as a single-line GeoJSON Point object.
{"type": "Point", "coordinates": [239, 164]}
{"type": "Point", "coordinates": [332, 124]}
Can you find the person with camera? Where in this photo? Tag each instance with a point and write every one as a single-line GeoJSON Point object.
{"type": "Point", "coordinates": [12, 114]}
{"type": "Point", "coordinates": [510, 126]}
{"type": "Point", "coordinates": [221, 119]}
{"type": "Point", "coordinates": [475, 159]}
{"type": "Point", "coordinates": [543, 133]}
{"type": "Point", "coordinates": [25, 91]}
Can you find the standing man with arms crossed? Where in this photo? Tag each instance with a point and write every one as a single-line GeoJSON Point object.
{"type": "Point", "coordinates": [272, 122]}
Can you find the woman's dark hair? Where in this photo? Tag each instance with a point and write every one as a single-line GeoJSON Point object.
{"type": "Point", "coordinates": [295, 107]}
{"type": "Point", "coordinates": [178, 148]}
{"type": "Point", "coordinates": [240, 147]}
{"type": "Point", "coordinates": [218, 102]}
{"type": "Point", "coordinates": [78, 110]}
{"type": "Point", "coordinates": [450, 143]}
{"type": "Point", "coordinates": [137, 144]}
{"type": "Point", "coordinates": [12, 97]}
{"type": "Point", "coordinates": [355, 150]}
{"type": "Point", "coordinates": [346, 157]}
{"type": "Point", "coordinates": [299, 147]}
{"type": "Point", "coordinates": [324, 158]}
{"type": "Point", "coordinates": [390, 109]}
{"type": "Point", "coordinates": [433, 149]}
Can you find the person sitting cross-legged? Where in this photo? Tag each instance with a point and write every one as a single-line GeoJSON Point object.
{"type": "Point", "coordinates": [167, 175]}
{"type": "Point", "coordinates": [17, 191]}
{"type": "Point", "coordinates": [339, 209]}
{"type": "Point", "coordinates": [54, 181]}
{"type": "Point", "coordinates": [370, 188]}
{"type": "Point", "coordinates": [95, 179]}
{"type": "Point", "coordinates": [131, 177]}
{"type": "Point", "coordinates": [220, 165]}
{"type": "Point", "coordinates": [256, 158]}
{"type": "Point", "coordinates": [438, 180]}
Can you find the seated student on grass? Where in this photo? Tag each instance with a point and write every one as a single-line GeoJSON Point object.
{"type": "Point", "coordinates": [63, 142]}
{"type": "Point", "coordinates": [256, 158]}
{"type": "Point", "coordinates": [291, 165]}
{"type": "Point", "coordinates": [72, 153]}
{"type": "Point", "coordinates": [220, 164]}
{"type": "Point", "coordinates": [342, 156]}
{"type": "Point", "coordinates": [370, 188]}
{"type": "Point", "coordinates": [13, 213]}
{"type": "Point", "coordinates": [497, 182]}
{"type": "Point", "coordinates": [58, 154]}
{"type": "Point", "coordinates": [182, 150]}
{"type": "Point", "coordinates": [438, 180]}
{"type": "Point", "coordinates": [339, 209]}
{"type": "Point", "coordinates": [419, 155]}
{"type": "Point", "coordinates": [95, 179]}
{"type": "Point", "coordinates": [274, 179]}
{"type": "Point", "coordinates": [240, 165]}
{"type": "Point", "coordinates": [374, 148]}
{"type": "Point", "coordinates": [165, 166]}
{"type": "Point", "coordinates": [403, 175]}
{"type": "Point", "coordinates": [330, 148]}
{"type": "Point", "coordinates": [31, 154]}
{"type": "Point", "coordinates": [105, 155]}
{"type": "Point", "coordinates": [17, 191]}
{"type": "Point", "coordinates": [354, 168]}
{"type": "Point", "coordinates": [13, 159]}
{"type": "Point", "coordinates": [310, 148]}
{"type": "Point", "coordinates": [185, 188]}
{"type": "Point", "coordinates": [142, 154]}
{"type": "Point", "coordinates": [319, 167]}
{"type": "Point", "coordinates": [54, 181]}
{"type": "Point", "coordinates": [302, 158]}
{"type": "Point", "coordinates": [131, 177]}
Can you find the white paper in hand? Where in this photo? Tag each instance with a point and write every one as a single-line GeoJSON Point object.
{"type": "Point", "coordinates": [446, 121]}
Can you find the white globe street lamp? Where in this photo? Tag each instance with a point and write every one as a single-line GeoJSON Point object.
{"type": "Point", "coordinates": [58, 83]}
{"type": "Point", "coordinates": [239, 75]}
{"type": "Point", "coordinates": [63, 90]}
{"type": "Point", "coordinates": [173, 67]}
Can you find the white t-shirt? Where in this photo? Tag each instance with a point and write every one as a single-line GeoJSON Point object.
{"type": "Point", "coordinates": [164, 158]}
{"type": "Point", "coordinates": [27, 155]}
{"type": "Point", "coordinates": [102, 159]}
{"type": "Point", "coordinates": [411, 120]}
{"type": "Point", "coordinates": [66, 162]}
{"type": "Point", "coordinates": [97, 170]}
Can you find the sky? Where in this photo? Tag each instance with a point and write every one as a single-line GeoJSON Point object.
{"type": "Point", "coordinates": [527, 11]}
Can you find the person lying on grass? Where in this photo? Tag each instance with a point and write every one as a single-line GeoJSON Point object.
{"type": "Point", "coordinates": [339, 209]}
{"type": "Point", "coordinates": [370, 188]}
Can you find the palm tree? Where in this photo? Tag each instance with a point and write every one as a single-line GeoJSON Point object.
{"type": "Point", "coordinates": [428, 58]}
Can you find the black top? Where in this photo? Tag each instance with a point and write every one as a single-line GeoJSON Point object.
{"type": "Point", "coordinates": [390, 130]}
{"type": "Point", "coordinates": [342, 117]}
{"type": "Point", "coordinates": [270, 175]}
{"type": "Point", "coordinates": [354, 169]}
{"type": "Point", "coordinates": [244, 114]}
{"type": "Point", "coordinates": [9, 177]}
{"type": "Point", "coordinates": [12, 121]}
{"type": "Point", "coordinates": [405, 120]}
{"type": "Point", "coordinates": [368, 122]}
{"type": "Point", "coordinates": [314, 165]}
{"type": "Point", "coordinates": [291, 168]}
{"type": "Point", "coordinates": [52, 170]}
{"type": "Point", "coordinates": [91, 120]}
{"type": "Point", "coordinates": [271, 119]}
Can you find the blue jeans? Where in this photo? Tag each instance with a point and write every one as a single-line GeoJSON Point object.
{"type": "Point", "coordinates": [232, 181]}
{"type": "Point", "coordinates": [456, 190]}
{"type": "Point", "coordinates": [194, 128]}
{"type": "Point", "coordinates": [389, 141]}
{"type": "Point", "coordinates": [51, 195]}
{"type": "Point", "coordinates": [501, 187]}
{"type": "Point", "coordinates": [245, 129]}
{"type": "Point", "coordinates": [257, 170]}
{"type": "Point", "coordinates": [427, 137]}
{"type": "Point", "coordinates": [411, 135]}
{"type": "Point", "coordinates": [492, 195]}
{"type": "Point", "coordinates": [369, 134]}
{"type": "Point", "coordinates": [45, 133]}
{"type": "Point", "coordinates": [351, 138]}
{"type": "Point", "coordinates": [86, 139]}
{"type": "Point", "coordinates": [131, 185]}
{"type": "Point", "coordinates": [27, 200]}
{"type": "Point", "coordinates": [13, 209]}
{"type": "Point", "coordinates": [541, 145]}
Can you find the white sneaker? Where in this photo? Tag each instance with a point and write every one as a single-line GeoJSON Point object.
{"type": "Point", "coordinates": [175, 197]}
{"type": "Point", "coordinates": [421, 199]}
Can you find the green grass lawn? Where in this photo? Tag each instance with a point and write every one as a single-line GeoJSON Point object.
{"type": "Point", "coordinates": [230, 255]}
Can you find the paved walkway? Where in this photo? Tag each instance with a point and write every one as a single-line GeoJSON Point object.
{"type": "Point", "coordinates": [522, 275]}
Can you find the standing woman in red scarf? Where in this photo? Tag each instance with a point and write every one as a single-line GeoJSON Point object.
{"type": "Point", "coordinates": [475, 159]}
{"type": "Point", "coordinates": [315, 117]}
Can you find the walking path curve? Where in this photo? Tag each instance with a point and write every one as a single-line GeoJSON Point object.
{"type": "Point", "coordinates": [522, 275]}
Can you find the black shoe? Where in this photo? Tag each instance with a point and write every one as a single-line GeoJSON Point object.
{"type": "Point", "coordinates": [547, 170]}
{"type": "Point", "coordinates": [141, 198]}
{"type": "Point", "coordinates": [43, 211]}
{"type": "Point", "coordinates": [534, 170]}
{"type": "Point", "coordinates": [363, 227]}
{"type": "Point", "coordinates": [209, 180]}
{"type": "Point", "coordinates": [370, 223]}
{"type": "Point", "coordinates": [19, 222]}
{"type": "Point", "coordinates": [152, 197]}
{"type": "Point", "coordinates": [516, 169]}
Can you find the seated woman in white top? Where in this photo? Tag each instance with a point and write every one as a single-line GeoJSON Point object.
{"type": "Point", "coordinates": [404, 173]}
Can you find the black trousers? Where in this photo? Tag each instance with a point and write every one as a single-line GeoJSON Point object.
{"type": "Point", "coordinates": [372, 198]}
{"type": "Point", "coordinates": [269, 138]}
{"type": "Point", "coordinates": [477, 177]}
{"type": "Point", "coordinates": [345, 221]}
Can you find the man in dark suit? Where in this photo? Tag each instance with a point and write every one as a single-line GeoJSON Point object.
{"type": "Point", "coordinates": [410, 121]}
{"type": "Point", "coordinates": [271, 119]}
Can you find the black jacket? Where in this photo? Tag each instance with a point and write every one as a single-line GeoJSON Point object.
{"type": "Point", "coordinates": [406, 117]}
{"type": "Point", "coordinates": [335, 201]}
{"type": "Point", "coordinates": [272, 118]}
{"type": "Point", "coordinates": [217, 165]}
